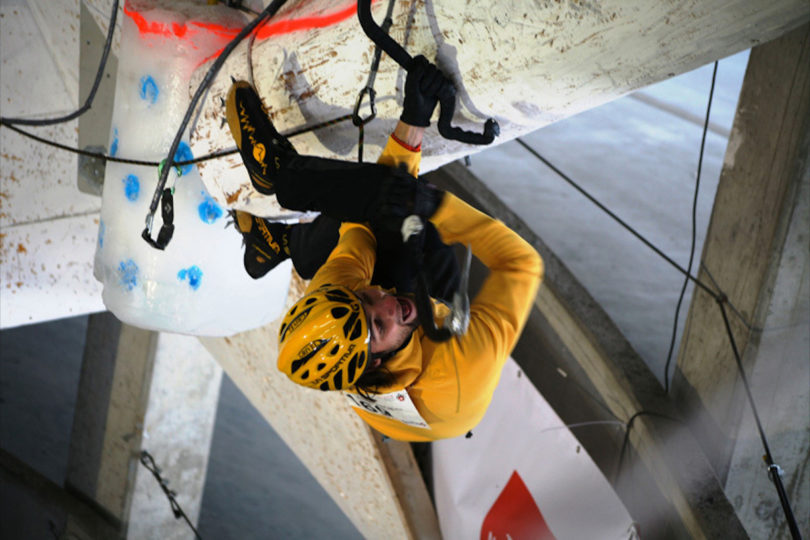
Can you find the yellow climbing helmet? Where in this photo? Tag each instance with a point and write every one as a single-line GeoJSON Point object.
{"type": "Point", "coordinates": [324, 340]}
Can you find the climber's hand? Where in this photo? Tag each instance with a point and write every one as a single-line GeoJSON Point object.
{"type": "Point", "coordinates": [441, 266]}
{"type": "Point", "coordinates": [402, 195]}
{"type": "Point", "coordinates": [422, 88]}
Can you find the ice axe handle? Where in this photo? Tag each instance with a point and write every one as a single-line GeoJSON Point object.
{"type": "Point", "coordinates": [448, 107]}
{"type": "Point", "coordinates": [447, 101]}
{"type": "Point", "coordinates": [458, 319]}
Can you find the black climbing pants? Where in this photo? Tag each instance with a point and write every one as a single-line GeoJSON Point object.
{"type": "Point", "coordinates": [346, 191]}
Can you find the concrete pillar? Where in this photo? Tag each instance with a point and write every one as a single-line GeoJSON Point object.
{"type": "Point", "coordinates": [110, 408]}
{"type": "Point", "coordinates": [781, 387]}
{"type": "Point", "coordinates": [178, 429]}
{"type": "Point", "coordinates": [756, 251]}
{"type": "Point", "coordinates": [94, 125]}
{"type": "Point", "coordinates": [142, 390]}
{"type": "Point", "coordinates": [53, 503]}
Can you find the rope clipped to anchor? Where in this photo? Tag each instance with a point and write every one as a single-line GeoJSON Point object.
{"type": "Point", "coordinates": [161, 193]}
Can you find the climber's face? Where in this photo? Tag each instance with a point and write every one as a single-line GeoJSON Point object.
{"type": "Point", "coordinates": [391, 319]}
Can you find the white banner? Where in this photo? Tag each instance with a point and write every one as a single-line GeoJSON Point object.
{"type": "Point", "coordinates": [523, 475]}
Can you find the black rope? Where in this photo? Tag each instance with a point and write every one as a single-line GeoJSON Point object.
{"type": "Point", "coordinates": [165, 235]}
{"type": "Point", "coordinates": [616, 218]}
{"type": "Point", "coordinates": [593, 397]}
{"type": "Point", "coordinates": [149, 462]}
{"type": "Point", "coordinates": [734, 309]}
{"type": "Point", "coordinates": [626, 441]}
{"type": "Point", "coordinates": [320, 125]}
{"type": "Point", "coordinates": [774, 471]}
{"type": "Point", "coordinates": [10, 122]}
{"type": "Point", "coordinates": [89, 101]}
{"type": "Point", "coordinates": [200, 159]}
{"type": "Point", "coordinates": [368, 89]}
{"type": "Point", "coordinates": [694, 228]}
{"type": "Point", "coordinates": [105, 157]}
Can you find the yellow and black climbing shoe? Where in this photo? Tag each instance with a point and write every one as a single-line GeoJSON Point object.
{"type": "Point", "coordinates": [264, 150]}
{"type": "Point", "coordinates": [266, 242]}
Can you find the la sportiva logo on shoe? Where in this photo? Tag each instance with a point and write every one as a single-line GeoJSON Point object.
{"type": "Point", "coordinates": [268, 237]}
{"type": "Point", "coordinates": [259, 151]}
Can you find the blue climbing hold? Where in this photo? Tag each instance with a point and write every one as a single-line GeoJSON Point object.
{"type": "Point", "coordinates": [114, 145]}
{"type": "Point", "coordinates": [193, 274]}
{"type": "Point", "coordinates": [101, 230]}
{"type": "Point", "coordinates": [149, 89]}
{"type": "Point", "coordinates": [209, 209]}
{"type": "Point", "coordinates": [128, 272]}
{"type": "Point", "coordinates": [184, 154]}
{"type": "Point", "coordinates": [132, 187]}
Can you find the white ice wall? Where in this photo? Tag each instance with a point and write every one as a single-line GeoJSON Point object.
{"type": "Point", "coordinates": [198, 284]}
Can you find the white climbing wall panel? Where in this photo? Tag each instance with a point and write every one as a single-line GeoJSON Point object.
{"type": "Point", "coordinates": [197, 284]}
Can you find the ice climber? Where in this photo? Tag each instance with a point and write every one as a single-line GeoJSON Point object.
{"type": "Point", "coordinates": [356, 328]}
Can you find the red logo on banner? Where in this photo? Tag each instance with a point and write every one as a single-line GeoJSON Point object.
{"type": "Point", "coordinates": [515, 515]}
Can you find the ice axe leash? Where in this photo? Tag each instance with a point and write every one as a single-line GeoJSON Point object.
{"type": "Point", "coordinates": [457, 321]}
{"type": "Point", "coordinates": [447, 98]}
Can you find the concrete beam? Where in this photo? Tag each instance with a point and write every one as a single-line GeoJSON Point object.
{"type": "Point", "coordinates": [410, 488]}
{"type": "Point", "coordinates": [49, 228]}
{"type": "Point", "coordinates": [376, 484]}
{"type": "Point", "coordinates": [618, 376]}
{"type": "Point", "coordinates": [553, 60]}
{"type": "Point", "coordinates": [94, 124]}
{"type": "Point", "coordinates": [525, 63]}
{"type": "Point", "coordinates": [756, 252]}
{"type": "Point", "coordinates": [100, 11]}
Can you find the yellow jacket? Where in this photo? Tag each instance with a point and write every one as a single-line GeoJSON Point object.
{"type": "Point", "coordinates": [450, 384]}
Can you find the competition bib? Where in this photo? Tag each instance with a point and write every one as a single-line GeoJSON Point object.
{"type": "Point", "coordinates": [396, 405]}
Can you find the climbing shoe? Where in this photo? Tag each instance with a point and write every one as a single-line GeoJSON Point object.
{"type": "Point", "coordinates": [264, 150]}
{"type": "Point", "coordinates": [266, 242]}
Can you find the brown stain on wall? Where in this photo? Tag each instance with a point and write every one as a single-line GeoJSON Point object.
{"type": "Point", "coordinates": [231, 198]}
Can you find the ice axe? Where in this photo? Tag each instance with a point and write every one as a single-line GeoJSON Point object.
{"type": "Point", "coordinates": [457, 321]}
{"type": "Point", "coordinates": [447, 99]}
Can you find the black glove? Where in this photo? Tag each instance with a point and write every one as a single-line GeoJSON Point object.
{"type": "Point", "coordinates": [441, 267]}
{"type": "Point", "coordinates": [422, 88]}
{"type": "Point", "coordinates": [402, 195]}
{"type": "Point", "coordinates": [397, 267]}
